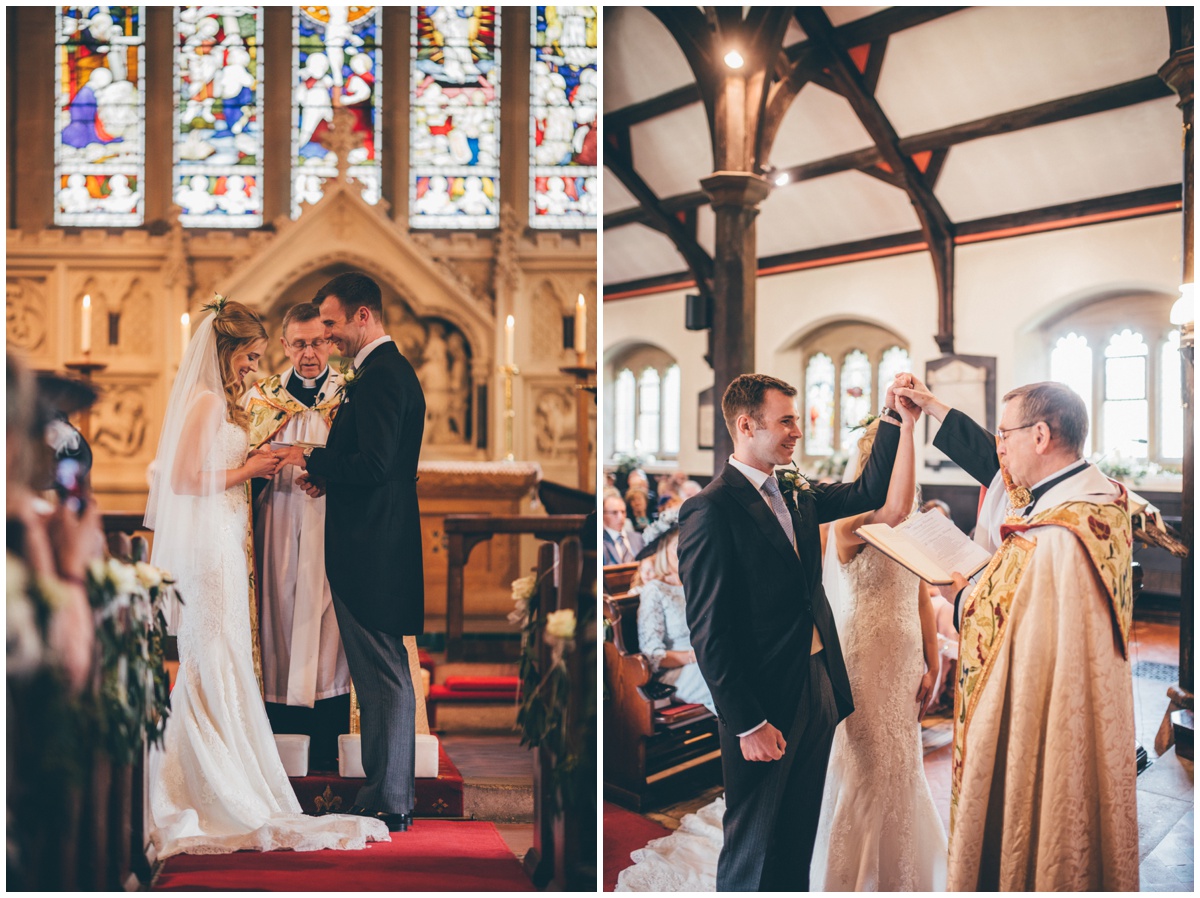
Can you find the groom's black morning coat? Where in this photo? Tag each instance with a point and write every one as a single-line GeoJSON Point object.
{"type": "Point", "coordinates": [752, 601]}
{"type": "Point", "coordinates": [372, 523]}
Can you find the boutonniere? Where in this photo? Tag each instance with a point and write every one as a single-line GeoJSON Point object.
{"type": "Point", "coordinates": [349, 378]}
{"type": "Point", "coordinates": [792, 484]}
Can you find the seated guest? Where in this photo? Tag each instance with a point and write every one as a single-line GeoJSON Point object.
{"type": "Point", "coordinates": [663, 635]}
{"type": "Point", "coordinates": [637, 503]}
{"type": "Point", "coordinates": [637, 480]}
{"type": "Point", "coordinates": [621, 544]}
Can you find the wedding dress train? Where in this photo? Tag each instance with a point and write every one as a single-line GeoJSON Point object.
{"type": "Point", "coordinates": [218, 784]}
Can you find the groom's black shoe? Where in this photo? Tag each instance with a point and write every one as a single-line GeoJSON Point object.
{"type": "Point", "coordinates": [396, 823]}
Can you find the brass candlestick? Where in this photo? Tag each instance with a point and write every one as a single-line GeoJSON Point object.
{"type": "Point", "coordinates": [84, 369]}
{"type": "Point", "coordinates": [585, 391]}
{"type": "Point", "coordinates": [509, 372]}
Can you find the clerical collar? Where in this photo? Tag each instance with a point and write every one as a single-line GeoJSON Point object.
{"type": "Point", "coordinates": [315, 382]}
{"type": "Point", "coordinates": [1044, 486]}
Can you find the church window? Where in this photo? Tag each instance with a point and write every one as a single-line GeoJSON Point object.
{"type": "Point", "coordinates": [1121, 355]}
{"type": "Point", "coordinates": [625, 403]}
{"type": "Point", "coordinates": [99, 135]}
{"type": "Point", "coordinates": [454, 153]}
{"type": "Point", "coordinates": [562, 110]}
{"type": "Point", "coordinates": [1126, 409]}
{"type": "Point", "coordinates": [336, 73]}
{"type": "Point", "coordinates": [218, 136]}
{"type": "Point", "coordinates": [646, 386]}
{"type": "Point", "coordinates": [1071, 364]}
{"type": "Point", "coordinates": [845, 369]}
{"type": "Point", "coordinates": [818, 393]}
{"type": "Point", "coordinates": [856, 392]}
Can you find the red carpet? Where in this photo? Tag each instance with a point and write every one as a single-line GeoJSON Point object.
{"type": "Point", "coordinates": [321, 793]}
{"type": "Point", "coordinates": [433, 856]}
{"type": "Point", "coordinates": [624, 831]}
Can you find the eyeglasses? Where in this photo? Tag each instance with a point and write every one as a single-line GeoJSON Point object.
{"type": "Point", "coordinates": [1002, 434]}
{"type": "Point", "coordinates": [300, 345]}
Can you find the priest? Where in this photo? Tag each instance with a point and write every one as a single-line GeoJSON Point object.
{"type": "Point", "coordinates": [1044, 781]}
{"type": "Point", "coordinates": [305, 678]}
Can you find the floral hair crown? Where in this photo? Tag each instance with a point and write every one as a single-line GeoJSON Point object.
{"type": "Point", "coordinates": [667, 521]}
{"type": "Point", "coordinates": [217, 305]}
{"type": "Point", "coordinates": [864, 423]}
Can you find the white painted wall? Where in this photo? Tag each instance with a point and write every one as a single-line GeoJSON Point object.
{"type": "Point", "coordinates": [1004, 290]}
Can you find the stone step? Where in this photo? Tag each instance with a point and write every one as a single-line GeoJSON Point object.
{"type": "Point", "coordinates": [499, 799]}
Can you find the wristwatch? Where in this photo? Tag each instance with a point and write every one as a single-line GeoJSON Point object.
{"type": "Point", "coordinates": [891, 413]}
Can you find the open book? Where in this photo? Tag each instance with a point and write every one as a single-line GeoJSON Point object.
{"type": "Point", "coordinates": [929, 545]}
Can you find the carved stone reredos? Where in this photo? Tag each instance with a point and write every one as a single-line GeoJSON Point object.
{"type": "Point", "coordinates": [342, 229]}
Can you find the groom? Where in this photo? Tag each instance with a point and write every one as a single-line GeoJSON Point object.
{"type": "Point", "coordinates": [373, 535]}
{"type": "Point", "coordinates": [763, 631]}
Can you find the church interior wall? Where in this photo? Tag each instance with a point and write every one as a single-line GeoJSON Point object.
{"type": "Point", "coordinates": [1004, 290]}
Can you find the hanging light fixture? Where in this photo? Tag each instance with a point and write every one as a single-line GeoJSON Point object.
{"type": "Point", "coordinates": [734, 60]}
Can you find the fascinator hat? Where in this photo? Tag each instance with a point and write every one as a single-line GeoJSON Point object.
{"type": "Point", "coordinates": [666, 524]}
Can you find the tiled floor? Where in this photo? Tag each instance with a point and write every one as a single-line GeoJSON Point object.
{"type": "Point", "coordinates": [1165, 789]}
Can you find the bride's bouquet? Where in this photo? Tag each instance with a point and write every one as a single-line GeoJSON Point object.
{"type": "Point", "coordinates": [131, 630]}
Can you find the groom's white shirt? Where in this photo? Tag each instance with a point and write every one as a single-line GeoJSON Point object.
{"type": "Point", "coordinates": [366, 350]}
{"type": "Point", "coordinates": [757, 478]}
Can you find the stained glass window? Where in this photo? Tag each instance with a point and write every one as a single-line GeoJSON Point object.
{"type": "Point", "coordinates": [1071, 364]}
{"type": "Point", "coordinates": [99, 135]}
{"type": "Point", "coordinates": [1172, 399]}
{"type": "Point", "coordinates": [893, 361]}
{"type": "Point", "coordinates": [649, 410]}
{"type": "Point", "coordinates": [562, 109]}
{"type": "Point", "coordinates": [336, 62]}
{"type": "Point", "coordinates": [856, 392]}
{"type": "Point", "coordinates": [624, 408]}
{"type": "Point", "coordinates": [218, 116]}
{"type": "Point", "coordinates": [670, 411]}
{"type": "Point", "coordinates": [818, 394]}
{"type": "Point", "coordinates": [1126, 408]}
{"type": "Point", "coordinates": [454, 155]}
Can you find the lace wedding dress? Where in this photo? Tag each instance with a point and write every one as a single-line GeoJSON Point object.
{"type": "Point", "coordinates": [218, 784]}
{"type": "Point", "coordinates": [879, 829]}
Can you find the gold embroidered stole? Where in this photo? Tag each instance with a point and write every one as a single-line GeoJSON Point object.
{"type": "Point", "coordinates": [271, 407]}
{"type": "Point", "coordinates": [1105, 533]}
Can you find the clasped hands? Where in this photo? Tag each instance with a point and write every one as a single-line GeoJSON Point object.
{"type": "Point", "coordinates": [267, 462]}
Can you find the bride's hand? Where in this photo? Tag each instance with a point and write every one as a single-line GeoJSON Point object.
{"type": "Point", "coordinates": [925, 692]}
{"type": "Point", "coordinates": [262, 464]}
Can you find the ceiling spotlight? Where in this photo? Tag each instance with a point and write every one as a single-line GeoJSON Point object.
{"type": "Point", "coordinates": [734, 60]}
{"type": "Point", "coordinates": [782, 178]}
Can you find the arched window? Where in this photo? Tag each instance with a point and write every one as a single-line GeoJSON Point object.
{"type": "Point", "coordinates": [646, 403]}
{"type": "Point", "coordinates": [99, 134]}
{"type": "Point", "coordinates": [336, 56]}
{"type": "Point", "coordinates": [846, 367]}
{"type": "Point", "coordinates": [218, 116]}
{"type": "Point", "coordinates": [1121, 355]}
{"type": "Point", "coordinates": [454, 179]}
{"type": "Point", "coordinates": [562, 109]}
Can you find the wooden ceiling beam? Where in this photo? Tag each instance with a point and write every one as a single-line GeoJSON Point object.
{"type": "Point", "coordinates": [1116, 207]}
{"type": "Point", "coordinates": [699, 262]}
{"type": "Point", "coordinates": [935, 223]}
{"type": "Point", "coordinates": [1105, 99]}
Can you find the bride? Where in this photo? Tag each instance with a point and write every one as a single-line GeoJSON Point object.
{"type": "Point", "coordinates": [879, 829]}
{"type": "Point", "coordinates": [218, 784]}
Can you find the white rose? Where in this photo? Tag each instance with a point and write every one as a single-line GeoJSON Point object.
{"type": "Point", "coordinates": [124, 578]}
{"type": "Point", "coordinates": [561, 624]}
{"type": "Point", "coordinates": [523, 587]}
{"type": "Point", "coordinates": [149, 575]}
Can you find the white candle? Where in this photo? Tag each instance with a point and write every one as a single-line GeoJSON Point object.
{"type": "Point", "coordinates": [508, 341]}
{"type": "Point", "coordinates": [85, 337]}
{"type": "Point", "coordinates": [581, 324]}
{"type": "Point", "coordinates": [185, 331]}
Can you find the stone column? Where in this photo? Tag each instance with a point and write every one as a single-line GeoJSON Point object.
{"type": "Point", "coordinates": [735, 198]}
{"type": "Point", "coordinates": [1178, 73]}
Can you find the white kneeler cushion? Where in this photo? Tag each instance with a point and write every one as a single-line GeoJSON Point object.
{"type": "Point", "coordinates": [293, 751]}
{"type": "Point", "coordinates": [350, 756]}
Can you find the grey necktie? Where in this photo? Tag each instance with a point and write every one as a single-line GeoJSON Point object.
{"type": "Point", "coordinates": [626, 551]}
{"type": "Point", "coordinates": [770, 489]}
